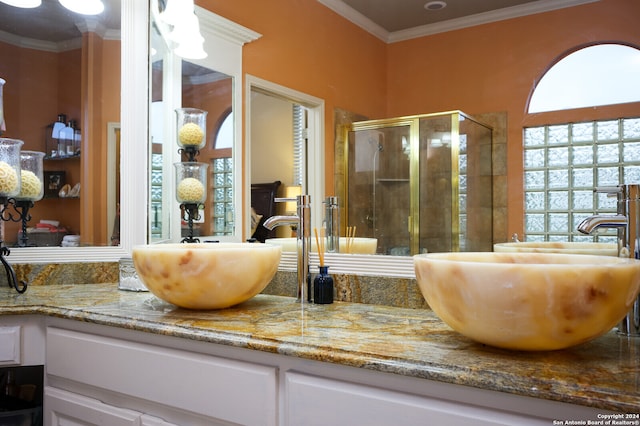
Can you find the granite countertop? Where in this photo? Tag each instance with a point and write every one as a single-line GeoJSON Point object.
{"type": "Point", "coordinates": [604, 373]}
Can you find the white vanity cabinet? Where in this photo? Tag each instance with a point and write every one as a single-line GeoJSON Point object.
{"type": "Point", "coordinates": [103, 375]}
{"type": "Point", "coordinates": [172, 384]}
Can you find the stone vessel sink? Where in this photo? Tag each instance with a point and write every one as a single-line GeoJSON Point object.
{"type": "Point", "coordinates": [602, 249]}
{"type": "Point", "coordinates": [528, 301]}
{"type": "Point", "coordinates": [206, 275]}
{"type": "Point", "coordinates": [359, 245]}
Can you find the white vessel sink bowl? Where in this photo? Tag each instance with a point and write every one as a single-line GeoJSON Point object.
{"type": "Point", "coordinates": [206, 275]}
{"type": "Point", "coordinates": [602, 249]}
{"type": "Point", "coordinates": [358, 245]}
{"type": "Point", "coordinates": [528, 301]}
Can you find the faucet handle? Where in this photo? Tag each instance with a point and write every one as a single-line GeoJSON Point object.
{"type": "Point", "coordinates": [285, 200]}
{"type": "Point", "coordinates": [301, 200]}
{"type": "Point", "coordinates": [611, 191]}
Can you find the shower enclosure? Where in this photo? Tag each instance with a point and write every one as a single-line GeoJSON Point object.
{"type": "Point", "coordinates": [420, 184]}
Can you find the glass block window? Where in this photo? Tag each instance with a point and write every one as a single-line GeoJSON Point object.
{"type": "Point", "coordinates": [462, 192]}
{"type": "Point", "coordinates": [156, 197]}
{"type": "Point", "coordinates": [222, 202]}
{"type": "Point", "coordinates": [564, 163]}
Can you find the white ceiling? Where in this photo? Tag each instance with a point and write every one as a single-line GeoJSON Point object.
{"type": "Point", "coordinates": [50, 23]}
{"type": "Point", "coordinates": [396, 20]}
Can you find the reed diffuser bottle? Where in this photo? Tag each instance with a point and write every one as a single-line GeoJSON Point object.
{"type": "Point", "coordinates": [323, 286]}
{"type": "Point", "coordinates": [323, 282]}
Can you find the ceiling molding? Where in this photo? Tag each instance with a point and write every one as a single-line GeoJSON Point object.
{"type": "Point", "coordinates": [43, 45]}
{"type": "Point", "coordinates": [368, 25]}
{"type": "Point", "coordinates": [224, 28]}
{"type": "Point", "coordinates": [347, 12]}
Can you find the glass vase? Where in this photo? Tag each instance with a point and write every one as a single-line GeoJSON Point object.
{"type": "Point", "coordinates": [31, 185]}
{"type": "Point", "coordinates": [10, 167]}
{"type": "Point", "coordinates": [191, 182]}
{"type": "Point", "coordinates": [3, 127]}
{"type": "Point", "coordinates": [323, 287]}
{"type": "Point", "coordinates": [191, 126]}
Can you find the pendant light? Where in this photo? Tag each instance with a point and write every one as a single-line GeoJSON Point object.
{"type": "Point", "coordinates": [173, 13]}
{"type": "Point", "coordinates": [84, 7]}
{"type": "Point", "coordinates": [188, 38]}
{"type": "Point", "coordinates": [27, 4]}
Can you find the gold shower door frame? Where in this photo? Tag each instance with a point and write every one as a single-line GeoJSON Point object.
{"type": "Point", "coordinates": [414, 172]}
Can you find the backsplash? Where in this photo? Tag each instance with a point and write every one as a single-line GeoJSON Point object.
{"type": "Point", "coordinates": [389, 291]}
{"type": "Point", "coordinates": [64, 273]}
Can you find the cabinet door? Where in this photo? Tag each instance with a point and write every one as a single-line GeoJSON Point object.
{"type": "Point", "coordinates": [10, 337]}
{"type": "Point", "coordinates": [217, 388]}
{"type": "Point", "coordinates": [318, 401]}
{"type": "Point", "coordinates": [62, 408]}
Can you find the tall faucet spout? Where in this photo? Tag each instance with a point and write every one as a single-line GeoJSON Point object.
{"type": "Point", "coordinates": [275, 221]}
{"type": "Point", "coordinates": [302, 222]}
{"type": "Point", "coordinates": [592, 223]}
{"type": "Point", "coordinates": [627, 223]}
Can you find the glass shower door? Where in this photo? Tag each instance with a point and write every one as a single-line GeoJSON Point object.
{"type": "Point", "coordinates": [379, 185]}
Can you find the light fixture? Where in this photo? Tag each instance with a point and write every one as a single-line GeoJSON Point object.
{"type": "Point", "coordinates": [84, 7]}
{"type": "Point", "coordinates": [27, 4]}
{"type": "Point", "coordinates": [174, 13]}
{"type": "Point", "coordinates": [192, 50]}
{"type": "Point", "coordinates": [186, 34]}
{"type": "Point", "coordinates": [435, 5]}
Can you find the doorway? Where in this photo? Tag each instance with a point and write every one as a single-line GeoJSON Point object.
{"type": "Point", "coordinates": [271, 95]}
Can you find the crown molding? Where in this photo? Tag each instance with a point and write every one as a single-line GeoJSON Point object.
{"type": "Point", "coordinates": [43, 45]}
{"type": "Point", "coordinates": [224, 28]}
{"type": "Point", "coordinates": [368, 25]}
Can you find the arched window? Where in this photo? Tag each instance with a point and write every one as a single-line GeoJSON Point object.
{"type": "Point", "coordinates": [563, 163]}
{"type": "Point", "coordinates": [601, 74]}
{"type": "Point", "coordinates": [224, 137]}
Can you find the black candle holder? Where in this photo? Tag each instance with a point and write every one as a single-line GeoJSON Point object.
{"type": "Point", "coordinates": [190, 213]}
{"type": "Point", "coordinates": [191, 152]}
{"type": "Point", "coordinates": [191, 177]}
{"type": "Point", "coordinates": [13, 210]}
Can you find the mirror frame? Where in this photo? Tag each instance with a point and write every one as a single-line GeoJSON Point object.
{"type": "Point", "coordinates": [133, 165]}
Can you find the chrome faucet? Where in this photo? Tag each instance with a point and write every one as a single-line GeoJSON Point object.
{"type": "Point", "coordinates": [302, 220]}
{"type": "Point", "coordinates": [332, 223]}
{"type": "Point", "coordinates": [627, 222]}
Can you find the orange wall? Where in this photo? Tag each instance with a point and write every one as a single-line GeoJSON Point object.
{"type": "Point", "coordinates": [307, 47]}
{"type": "Point", "coordinates": [493, 68]}
{"type": "Point", "coordinates": [487, 68]}
{"type": "Point", "coordinates": [40, 85]}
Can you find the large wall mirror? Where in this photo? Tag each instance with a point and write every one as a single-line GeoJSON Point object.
{"type": "Point", "coordinates": [279, 59]}
{"type": "Point", "coordinates": [211, 84]}
{"type": "Point", "coordinates": [90, 72]}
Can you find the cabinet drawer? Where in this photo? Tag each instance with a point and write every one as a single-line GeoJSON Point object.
{"type": "Point", "coordinates": [67, 408]}
{"type": "Point", "coordinates": [319, 401]}
{"type": "Point", "coordinates": [10, 346]}
{"type": "Point", "coordinates": [224, 389]}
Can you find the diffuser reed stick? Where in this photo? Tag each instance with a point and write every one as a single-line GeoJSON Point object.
{"type": "Point", "coordinates": [320, 244]}
{"type": "Point", "coordinates": [351, 234]}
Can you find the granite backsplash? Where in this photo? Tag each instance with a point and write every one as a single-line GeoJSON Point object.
{"type": "Point", "coordinates": [388, 291]}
